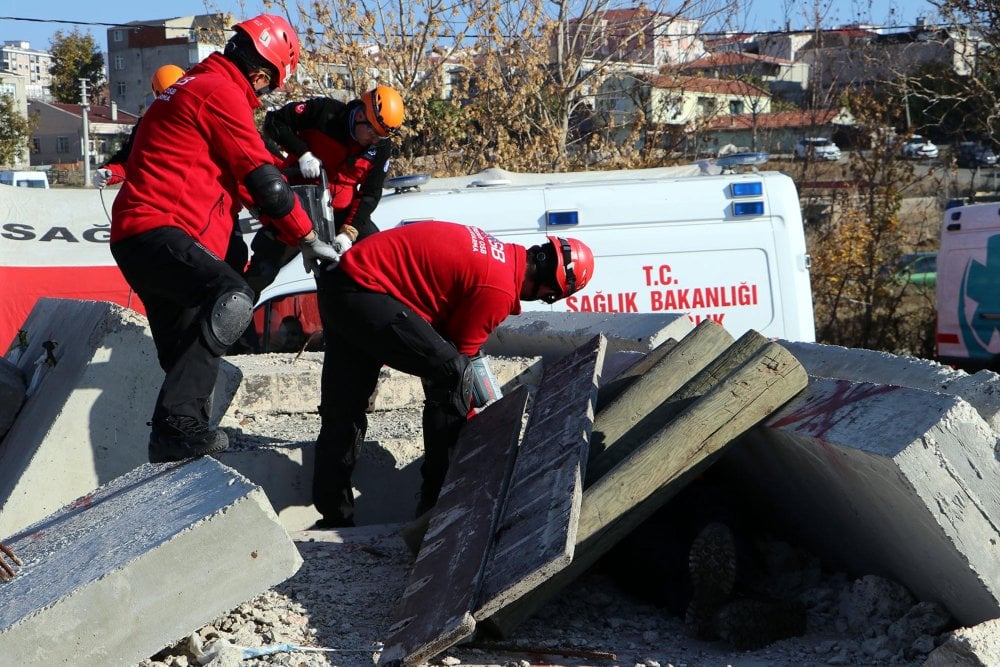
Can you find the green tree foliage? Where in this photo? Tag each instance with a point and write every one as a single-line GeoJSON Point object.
{"type": "Point", "coordinates": [857, 303]}
{"type": "Point", "coordinates": [15, 131]}
{"type": "Point", "coordinates": [75, 56]}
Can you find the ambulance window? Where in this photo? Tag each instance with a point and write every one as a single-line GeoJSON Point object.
{"type": "Point", "coordinates": [562, 218]}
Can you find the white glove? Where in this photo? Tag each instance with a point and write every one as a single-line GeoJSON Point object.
{"type": "Point", "coordinates": [342, 242]}
{"type": "Point", "coordinates": [101, 177]}
{"type": "Point", "coordinates": [309, 165]}
{"type": "Point", "coordinates": [315, 251]}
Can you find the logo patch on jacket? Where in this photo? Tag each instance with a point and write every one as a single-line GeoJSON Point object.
{"type": "Point", "coordinates": [300, 108]}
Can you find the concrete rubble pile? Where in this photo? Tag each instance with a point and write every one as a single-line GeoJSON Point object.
{"type": "Point", "coordinates": [881, 464]}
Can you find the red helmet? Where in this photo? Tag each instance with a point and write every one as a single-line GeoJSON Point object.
{"type": "Point", "coordinates": [275, 41]}
{"type": "Point", "coordinates": [574, 264]}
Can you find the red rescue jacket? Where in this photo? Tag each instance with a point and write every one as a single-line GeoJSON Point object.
{"type": "Point", "coordinates": [460, 279]}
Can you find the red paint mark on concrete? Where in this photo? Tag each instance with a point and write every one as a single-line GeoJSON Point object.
{"type": "Point", "coordinates": [816, 419]}
{"type": "Point", "coordinates": [83, 501]}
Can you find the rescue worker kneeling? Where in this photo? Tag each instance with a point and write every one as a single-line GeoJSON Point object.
{"type": "Point", "coordinates": [422, 298]}
{"type": "Point", "coordinates": [196, 156]}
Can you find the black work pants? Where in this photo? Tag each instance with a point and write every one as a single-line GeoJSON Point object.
{"type": "Point", "coordinates": [178, 281]}
{"type": "Point", "coordinates": [364, 331]}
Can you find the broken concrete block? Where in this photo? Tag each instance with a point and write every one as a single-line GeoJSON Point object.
{"type": "Point", "coordinates": [981, 390]}
{"type": "Point", "coordinates": [978, 646]}
{"type": "Point", "coordinates": [140, 563]}
{"type": "Point", "coordinates": [554, 335]}
{"type": "Point", "coordinates": [12, 394]}
{"type": "Point", "coordinates": [886, 480]}
{"type": "Point", "coordinates": [93, 378]}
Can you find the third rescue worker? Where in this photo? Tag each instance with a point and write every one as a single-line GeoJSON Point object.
{"type": "Point", "coordinates": [196, 154]}
{"type": "Point", "coordinates": [351, 141]}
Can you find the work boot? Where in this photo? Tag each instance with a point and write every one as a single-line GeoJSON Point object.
{"type": "Point", "coordinates": [712, 567]}
{"type": "Point", "coordinates": [179, 437]}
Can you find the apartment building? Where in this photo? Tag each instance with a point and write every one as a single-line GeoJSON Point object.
{"type": "Point", "coordinates": [138, 48]}
{"type": "Point", "coordinates": [31, 65]}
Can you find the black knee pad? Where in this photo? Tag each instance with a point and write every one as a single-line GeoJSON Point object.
{"type": "Point", "coordinates": [451, 386]}
{"type": "Point", "coordinates": [226, 319]}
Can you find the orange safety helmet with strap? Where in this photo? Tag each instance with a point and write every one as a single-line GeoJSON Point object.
{"type": "Point", "coordinates": [574, 264]}
{"type": "Point", "coordinates": [164, 77]}
{"type": "Point", "coordinates": [275, 41]}
{"type": "Point", "coordinates": [384, 110]}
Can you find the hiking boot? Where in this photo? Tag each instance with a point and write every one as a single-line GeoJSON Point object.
{"type": "Point", "coordinates": [179, 437]}
{"type": "Point", "coordinates": [712, 567]}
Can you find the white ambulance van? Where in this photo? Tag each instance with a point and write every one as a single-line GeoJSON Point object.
{"type": "Point", "coordinates": [968, 287]}
{"type": "Point", "coordinates": [727, 247]}
{"type": "Point", "coordinates": [25, 179]}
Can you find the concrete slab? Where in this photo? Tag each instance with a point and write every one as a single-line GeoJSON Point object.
{"type": "Point", "coordinates": [886, 480]}
{"type": "Point", "coordinates": [201, 541]}
{"type": "Point", "coordinates": [13, 387]}
{"type": "Point", "coordinates": [290, 383]}
{"type": "Point", "coordinates": [554, 335]}
{"type": "Point", "coordinates": [92, 380]}
{"type": "Point", "coordinates": [981, 390]}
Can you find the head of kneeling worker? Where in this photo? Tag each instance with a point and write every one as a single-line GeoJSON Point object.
{"type": "Point", "coordinates": [556, 269]}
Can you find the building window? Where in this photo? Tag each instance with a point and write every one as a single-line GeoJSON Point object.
{"type": "Point", "coordinates": [122, 88]}
{"type": "Point", "coordinates": [62, 144]}
{"type": "Point", "coordinates": [735, 107]}
{"type": "Point", "coordinates": [706, 106]}
{"type": "Point", "coordinates": [118, 35]}
{"type": "Point", "coordinates": [119, 63]}
{"type": "Point", "coordinates": [36, 145]}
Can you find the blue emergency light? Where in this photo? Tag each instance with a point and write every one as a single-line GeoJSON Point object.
{"type": "Point", "coordinates": [748, 208]}
{"type": "Point", "coordinates": [562, 218]}
{"type": "Point", "coordinates": [750, 189]}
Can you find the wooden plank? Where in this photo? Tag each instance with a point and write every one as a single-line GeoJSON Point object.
{"type": "Point", "coordinates": [681, 362]}
{"type": "Point", "coordinates": [435, 610]}
{"type": "Point", "coordinates": [621, 500]}
{"type": "Point", "coordinates": [734, 355]}
{"type": "Point", "coordinates": [537, 532]}
{"type": "Point", "coordinates": [615, 380]}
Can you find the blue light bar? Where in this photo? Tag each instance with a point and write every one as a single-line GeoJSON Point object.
{"type": "Point", "coordinates": [753, 189]}
{"type": "Point", "coordinates": [562, 218]}
{"type": "Point", "coordinates": [748, 208]}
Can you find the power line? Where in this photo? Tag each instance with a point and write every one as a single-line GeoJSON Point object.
{"type": "Point", "coordinates": [704, 34]}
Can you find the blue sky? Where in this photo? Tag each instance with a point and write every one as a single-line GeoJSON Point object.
{"type": "Point", "coordinates": [762, 14]}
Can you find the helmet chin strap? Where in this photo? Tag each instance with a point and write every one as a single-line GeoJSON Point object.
{"type": "Point", "coordinates": [351, 123]}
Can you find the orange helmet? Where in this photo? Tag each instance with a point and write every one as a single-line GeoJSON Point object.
{"type": "Point", "coordinates": [275, 41]}
{"type": "Point", "coordinates": [574, 264]}
{"type": "Point", "coordinates": [165, 76]}
{"type": "Point", "coordinates": [384, 110]}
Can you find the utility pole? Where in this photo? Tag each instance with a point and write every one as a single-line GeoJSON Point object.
{"type": "Point", "coordinates": [85, 147]}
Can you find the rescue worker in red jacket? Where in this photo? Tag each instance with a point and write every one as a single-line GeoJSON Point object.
{"type": "Point", "coordinates": [352, 142]}
{"type": "Point", "coordinates": [113, 171]}
{"type": "Point", "coordinates": [421, 298]}
{"type": "Point", "coordinates": [196, 154]}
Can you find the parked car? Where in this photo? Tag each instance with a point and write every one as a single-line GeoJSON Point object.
{"type": "Point", "coordinates": [915, 268]}
{"type": "Point", "coordinates": [970, 155]}
{"type": "Point", "coordinates": [817, 148]}
{"type": "Point", "coordinates": [919, 148]}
